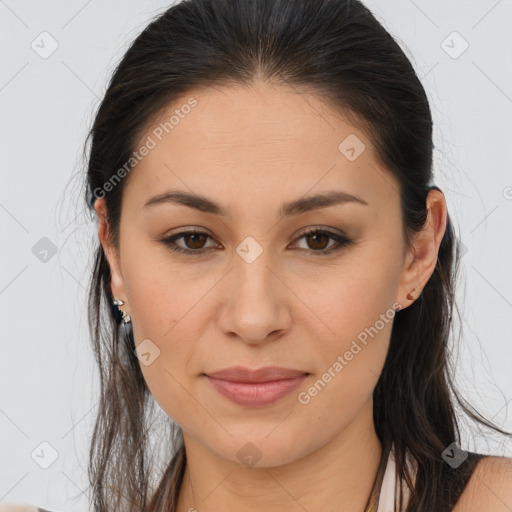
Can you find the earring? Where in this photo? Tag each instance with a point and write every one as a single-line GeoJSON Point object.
{"type": "Point", "coordinates": [126, 318]}
{"type": "Point", "coordinates": [410, 297]}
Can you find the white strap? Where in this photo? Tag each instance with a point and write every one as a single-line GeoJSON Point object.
{"type": "Point", "coordinates": [387, 492]}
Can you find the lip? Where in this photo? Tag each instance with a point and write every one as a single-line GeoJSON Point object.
{"type": "Point", "coordinates": [264, 374]}
{"type": "Point", "coordinates": [256, 387]}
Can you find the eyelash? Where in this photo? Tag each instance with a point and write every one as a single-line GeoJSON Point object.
{"type": "Point", "coordinates": [342, 241]}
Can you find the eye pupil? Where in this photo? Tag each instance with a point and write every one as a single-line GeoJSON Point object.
{"type": "Point", "coordinates": [193, 235]}
{"type": "Point", "coordinates": [319, 235]}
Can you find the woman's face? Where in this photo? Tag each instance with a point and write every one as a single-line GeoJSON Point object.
{"type": "Point", "coordinates": [254, 291]}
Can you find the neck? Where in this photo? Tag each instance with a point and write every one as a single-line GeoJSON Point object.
{"type": "Point", "coordinates": [338, 476]}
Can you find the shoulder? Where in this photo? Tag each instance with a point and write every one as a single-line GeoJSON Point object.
{"type": "Point", "coordinates": [489, 488]}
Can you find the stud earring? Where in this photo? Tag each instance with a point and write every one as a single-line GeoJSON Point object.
{"type": "Point", "coordinates": [410, 297]}
{"type": "Point", "coordinates": [126, 318]}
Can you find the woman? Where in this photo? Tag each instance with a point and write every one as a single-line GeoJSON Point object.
{"type": "Point", "coordinates": [284, 267]}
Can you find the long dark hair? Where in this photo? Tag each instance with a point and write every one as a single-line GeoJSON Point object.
{"type": "Point", "coordinates": [334, 48]}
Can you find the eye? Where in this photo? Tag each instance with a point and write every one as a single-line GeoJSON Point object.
{"type": "Point", "coordinates": [318, 237]}
{"type": "Point", "coordinates": [197, 238]}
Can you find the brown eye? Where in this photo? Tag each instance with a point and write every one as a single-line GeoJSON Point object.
{"type": "Point", "coordinates": [320, 240]}
{"type": "Point", "coordinates": [198, 240]}
{"type": "Point", "coordinates": [194, 243]}
{"type": "Point", "coordinates": [317, 241]}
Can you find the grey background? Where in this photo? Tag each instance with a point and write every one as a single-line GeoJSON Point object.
{"type": "Point", "coordinates": [48, 389]}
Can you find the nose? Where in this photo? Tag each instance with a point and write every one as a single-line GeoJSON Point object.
{"type": "Point", "coordinates": [257, 309]}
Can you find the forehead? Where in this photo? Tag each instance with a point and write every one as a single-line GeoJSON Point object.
{"type": "Point", "coordinates": [260, 140]}
{"type": "Point", "coordinates": [261, 114]}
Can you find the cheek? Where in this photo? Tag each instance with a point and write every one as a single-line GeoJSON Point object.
{"type": "Point", "coordinates": [349, 359]}
{"type": "Point", "coordinates": [355, 315]}
{"type": "Point", "coordinates": [357, 347]}
{"type": "Point", "coordinates": [166, 332]}
{"type": "Point", "coordinates": [158, 294]}
{"type": "Point", "coordinates": [166, 306]}
{"type": "Point", "coordinates": [352, 300]}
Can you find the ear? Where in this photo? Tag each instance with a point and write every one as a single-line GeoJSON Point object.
{"type": "Point", "coordinates": [421, 258]}
{"type": "Point", "coordinates": [117, 287]}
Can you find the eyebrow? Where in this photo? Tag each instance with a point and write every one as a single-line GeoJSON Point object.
{"type": "Point", "coordinates": [296, 207]}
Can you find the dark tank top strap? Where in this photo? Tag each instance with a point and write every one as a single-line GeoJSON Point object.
{"type": "Point", "coordinates": [457, 478]}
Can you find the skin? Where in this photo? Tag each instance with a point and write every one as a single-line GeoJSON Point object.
{"type": "Point", "coordinates": [252, 149]}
